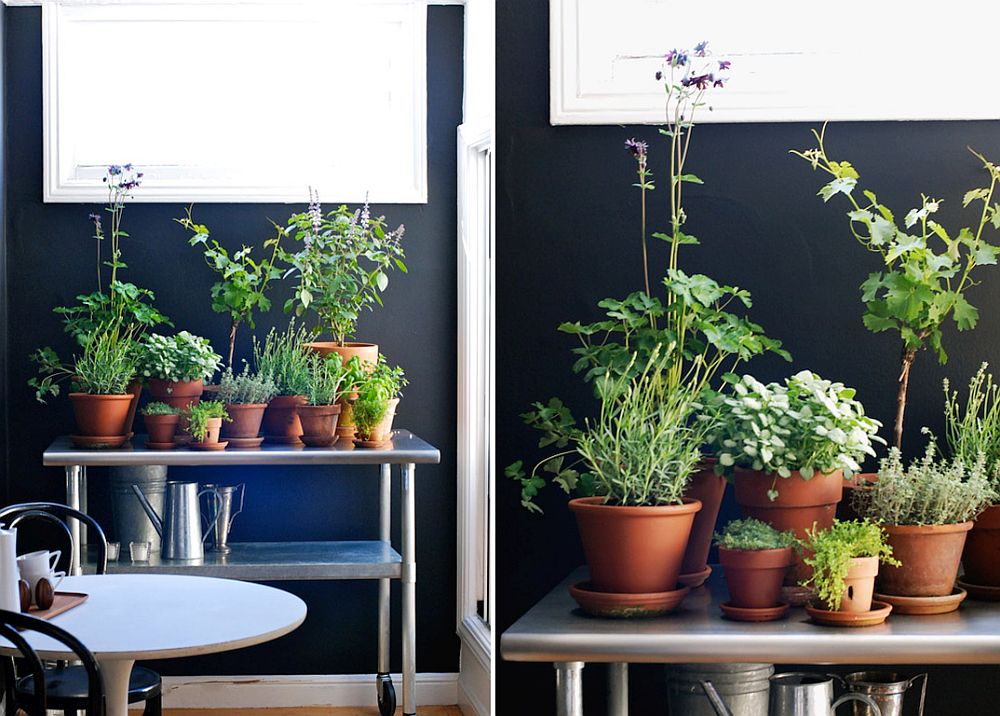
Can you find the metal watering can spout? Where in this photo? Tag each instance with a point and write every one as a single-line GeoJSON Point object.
{"type": "Point", "coordinates": [713, 696]}
{"type": "Point", "coordinates": [153, 517]}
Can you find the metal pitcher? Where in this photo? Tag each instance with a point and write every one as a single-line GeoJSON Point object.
{"type": "Point", "coordinates": [222, 498]}
{"type": "Point", "coordinates": [180, 529]}
{"type": "Point", "coordinates": [803, 694]}
{"type": "Point", "coordinates": [885, 688]}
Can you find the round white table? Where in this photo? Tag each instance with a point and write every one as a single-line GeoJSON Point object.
{"type": "Point", "coordinates": [128, 617]}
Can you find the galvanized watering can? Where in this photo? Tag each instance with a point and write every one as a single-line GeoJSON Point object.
{"type": "Point", "coordinates": [885, 688]}
{"type": "Point", "coordinates": [798, 694]}
{"type": "Point", "coordinates": [180, 529]}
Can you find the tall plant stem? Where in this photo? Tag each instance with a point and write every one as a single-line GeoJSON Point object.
{"type": "Point", "coordinates": [907, 357]}
{"type": "Point", "coordinates": [645, 255]}
{"type": "Point", "coordinates": [232, 339]}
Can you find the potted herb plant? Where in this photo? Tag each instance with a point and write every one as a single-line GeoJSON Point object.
{"type": "Point", "coordinates": [176, 367]}
{"type": "Point", "coordinates": [755, 558]}
{"type": "Point", "coordinates": [100, 376]}
{"type": "Point", "coordinates": [927, 271]}
{"type": "Point", "coordinates": [342, 269]}
{"type": "Point", "coordinates": [284, 360]}
{"type": "Point", "coordinates": [319, 414]}
{"type": "Point", "coordinates": [246, 397]}
{"type": "Point", "coordinates": [161, 425]}
{"type": "Point", "coordinates": [845, 559]}
{"type": "Point", "coordinates": [206, 425]}
{"type": "Point", "coordinates": [927, 509]}
{"type": "Point", "coordinates": [374, 408]}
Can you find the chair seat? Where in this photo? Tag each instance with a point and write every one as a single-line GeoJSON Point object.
{"type": "Point", "coordinates": [66, 686]}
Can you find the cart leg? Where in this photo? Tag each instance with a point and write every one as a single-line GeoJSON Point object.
{"type": "Point", "coordinates": [618, 689]}
{"type": "Point", "coordinates": [409, 585]}
{"type": "Point", "coordinates": [385, 692]}
{"type": "Point", "coordinates": [84, 533]}
{"type": "Point", "coordinates": [74, 480]}
{"type": "Point", "coordinates": [569, 688]}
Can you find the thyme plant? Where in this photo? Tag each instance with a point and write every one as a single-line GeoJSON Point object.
{"type": "Point", "coordinates": [283, 358]}
{"type": "Point", "coordinates": [246, 388]}
{"type": "Point", "coordinates": [834, 548]}
{"type": "Point", "coordinates": [974, 429]}
{"type": "Point", "coordinates": [752, 534]}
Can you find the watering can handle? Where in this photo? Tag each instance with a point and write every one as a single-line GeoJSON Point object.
{"type": "Point", "coordinates": [857, 697]}
{"type": "Point", "coordinates": [923, 690]}
{"type": "Point", "coordinates": [212, 524]}
{"type": "Point", "coordinates": [717, 703]}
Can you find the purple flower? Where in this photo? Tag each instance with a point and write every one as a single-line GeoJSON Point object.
{"type": "Point", "coordinates": [700, 81]}
{"type": "Point", "coordinates": [96, 218]}
{"type": "Point", "coordinates": [700, 48]}
{"type": "Point", "coordinates": [659, 75]}
{"type": "Point", "coordinates": [114, 170]}
{"type": "Point", "coordinates": [718, 82]}
{"type": "Point", "coordinates": [636, 148]}
{"type": "Point", "coordinates": [676, 58]}
{"type": "Point", "coordinates": [724, 64]}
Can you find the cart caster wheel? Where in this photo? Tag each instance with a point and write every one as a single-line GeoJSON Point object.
{"type": "Point", "coordinates": [386, 695]}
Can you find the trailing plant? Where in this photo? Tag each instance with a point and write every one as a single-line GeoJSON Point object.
{"type": "Point", "coordinates": [368, 411]}
{"type": "Point", "coordinates": [975, 429]}
{"type": "Point", "coordinates": [247, 388]}
{"type": "Point", "coordinates": [834, 548]}
{"type": "Point", "coordinates": [182, 357]}
{"type": "Point", "coordinates": [105, 366]}
{"type": "Point", "coordinates": [752, 534]}
{"type": "Point", "coordinates": [201, 413]}
{"type": "Point", "coordinates": [343, 266]}
{"type": "Point", "coordinates": [327, 374]}
{"type": "Point", "coordinates": [283, 358]}
{"type": "Point", "coordinates": [807, 424]}
{"type": "Point", "coordinates": [239, 292]}
{"type": "Point", "coordinates": [930, 491]}
{"type": "Point", "coordinates": [640, 449]}
{"type": "Point", "coordinates": [158, 408]}
{"type": "Point", "coordinates": [927, 270]}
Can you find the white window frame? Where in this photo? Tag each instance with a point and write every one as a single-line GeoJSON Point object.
{"type": "Point", "coordinates": [66, 180]}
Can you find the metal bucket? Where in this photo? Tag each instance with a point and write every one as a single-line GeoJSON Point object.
{"type": "Point", "coordinates": [744, 687]}
{"type": "Point", "coordinates": [887, 689]}
{"type": "Point", "coordinates": [131, 522]}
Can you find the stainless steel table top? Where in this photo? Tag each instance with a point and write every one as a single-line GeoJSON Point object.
{"type": "Point", "coordinates": [405, 448]}
{"type": "Point", "coordinates": [555, 630]}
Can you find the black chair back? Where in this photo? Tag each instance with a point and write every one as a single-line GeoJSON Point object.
{"type": "Point", "coordinates": [57, 514]}
{"type": "Point", "coordinates": [12, 626]}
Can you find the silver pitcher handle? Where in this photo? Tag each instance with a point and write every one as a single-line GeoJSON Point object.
{"type": "Point", "coordinates": [865, 699]}
{"type": "Point", "coordinates": [923, 690]}
{"type": "Point", "coordinates": [242, 487]}
{"type": "Point", "coordinates": [211, 525]}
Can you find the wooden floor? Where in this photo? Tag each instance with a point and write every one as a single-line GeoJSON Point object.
{"type": "Point", "coordinates": [311, 711]}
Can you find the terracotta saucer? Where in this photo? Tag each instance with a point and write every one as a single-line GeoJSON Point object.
{"type": "Point", "coordinates": [877, 615]}
{"type": "Point", "coordinates": [320, 442]}
{"type": "Point", "coordinates": [283, 440]}
{"type": "Point", "coordinates": [372, 443]}
{"type": "Point", "coordinates": [160, 446]}
{"type": "Point", "coordinates": [98, 442]}
{"type": "Point", "coordinates": [982, 592]}
{"type": "Point", "coordinates": [924, 605]}
{"type": "Point", "coordinates": [625, 606]}
{"type": "Point", "coordinates": [746, 614]}
{"type": "Point", "coordinates": [695, 579]}
{"type": "Point", "coordinates": [797, 596]}
{"type": "Point", "coordinates": [221, 445]}
{"type": "Point", "coordinates": [245, 442]}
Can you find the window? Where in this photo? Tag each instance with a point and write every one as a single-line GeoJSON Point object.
{"type": "Point", "coordinates": [248, 102]}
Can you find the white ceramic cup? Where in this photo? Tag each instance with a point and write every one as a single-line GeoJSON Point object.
{"type": "Point", "coordinates": [38, 565]}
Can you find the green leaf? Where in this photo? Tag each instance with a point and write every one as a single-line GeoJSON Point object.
{"type": "Point", "coordinates": [691, 178]}
{"type": "Point", "coordinates": [973, 194]}
{"type": "Point", "coordinates": [841, 185]}
{"type": "Point", "coordinates": [966, 315]}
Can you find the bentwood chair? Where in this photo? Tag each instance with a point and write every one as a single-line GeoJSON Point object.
{"type": "Point", "coordinates": [67, 684]}
{"type": "Point", "coordinates": [12, 628]}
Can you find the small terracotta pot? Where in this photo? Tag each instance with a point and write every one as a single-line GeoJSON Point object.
{"type": "Point", "coordinates": [800, 504]}
{"type": "Point", "coordinates": [981, 558]}
{"type": "Point", "coordinates": [281, 420]}
{"type": "Point", "coordinates": [634, 550]}
{"type": "Point", "coordinates": [101, 415]}
{"type": "Point", "coordinates": [930, 555]}
{"type": "Point", "coordinates": [708, 488]}
{"type": "Point", "coordinates": [859, 585]}
{"type": "Point", "coordinates": [245, 420]}
{"type": "Point", "coordinates": [754, 577]}
{"type": "Point", "coordinates": [213, 427]}
{"type": "Point", "coordinates": [368, 354]}
{"type": "Point", "coordinates": [319, 424]}
{"type": "Point", "coordinates": [861, 482]}
{"type": "Point", "coordinates": [383, 431]}
{"type": "Point", "coordinates": [135, 390]}
{"type": "Point", "coordinates": [161, 428]}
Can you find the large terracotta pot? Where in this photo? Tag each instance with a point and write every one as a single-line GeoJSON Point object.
{"type": "Point", "coordinates": [135, 390]}
{"type": "Point", "coordinates": [281, 420]}
{"type": "Point", "coordinates": [382, 432]}
{"type": "Point", "coordinates": [859, 585]}
{"type": "Point", "coordinates": [161, 428]}
{"type": "Point", "coordinates": [633, 550]}
{"type": "Point", "coordinates": [708, 488]}
{"type": "Point", "coordinates": [319, 424]}
{"type": "Point", "coordinates": [930, 555]}
{"type": "Point", "coordinates": [244, 420]}
{"type": "Point", "coordinates": [754, 577]}
{"type": "Point", "coordinates": [101, 415]}
{"type": "Point", "coordinates": [368, 354]}
{"type": "Point", "coordinates": [860, 482]}
{"type": "Point", "coordinates": [177, 393]}
{"type": "Point", "coordinates": [981, 558]}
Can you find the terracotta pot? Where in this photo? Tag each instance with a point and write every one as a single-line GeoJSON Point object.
{"type": "Point", "coordinates": [368, 354]}
{"type": "Point", "coordinates": [981, 558]}
{"type": "Point", "coordinates": [135, 390]}
{"type": "Point", "coordinates": [101, 415]}
{"type": "Point", "coordinates": [161, 428]}
{"type": "Point", "coordinates": [859, 585]}
{"type": "Point", "coordinates": [213, 427]}
{"type": "Point", "coordinates": [754, 577]}
{"type": "Point", "coordinates": [177, 393]}
{"type": "Point", "coordinates": [319, 424]}
{"type": "Point", "coordinates": [635, 550]}
{"type": "Point", "coordinates": [862, 482]}
{"type": "Point", "coordinates": [245, 420]}
{"type": "Point", "coordinates": [281, 420]}
{"type": "Point", "coordinates": [383, 431]}
{"type": "Point", "coordinates": [708, 488]}
{"type": "Point", "coordinates": [930, 555]}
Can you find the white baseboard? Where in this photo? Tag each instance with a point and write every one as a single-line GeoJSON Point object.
{"type": "Point", "coordinates": [250, 692]}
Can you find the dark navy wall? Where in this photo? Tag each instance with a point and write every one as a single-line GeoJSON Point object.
{"type": "Point", "coordinates": [50, 252]}
{"type": "Point", "coordinates": [568, 236]}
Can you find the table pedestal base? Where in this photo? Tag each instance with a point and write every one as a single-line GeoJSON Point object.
{"type": "Point", "coordinates": [115, 673]}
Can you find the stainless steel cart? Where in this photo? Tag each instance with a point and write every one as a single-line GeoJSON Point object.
{"type": "Point", "coordinates": [373, 559]}
{"type": "Point", "coordinates": [555, 631]}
